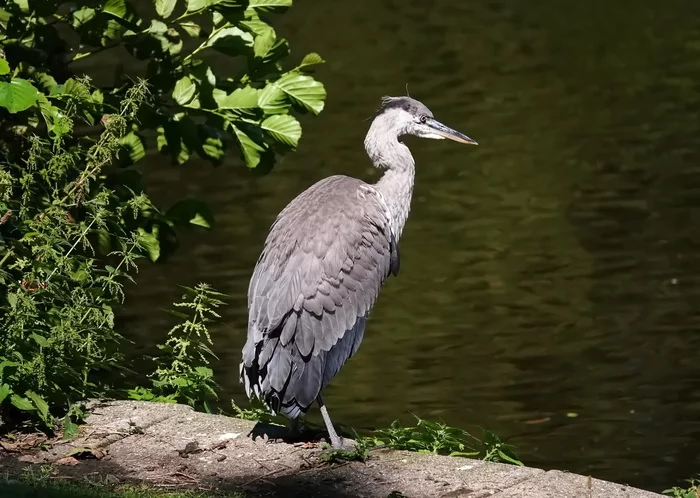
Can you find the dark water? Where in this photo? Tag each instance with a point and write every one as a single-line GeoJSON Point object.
{"type": "Point", "coordinates": [555, 268]}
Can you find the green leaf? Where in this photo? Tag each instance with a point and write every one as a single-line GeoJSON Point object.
{"type": "Point", "coordinates": [192, 29]}
{"type": "Point", "coordinates": [149, 242]}
{"type": "Point", "coordinates": [193, 212]}
{"type": "Point", "coordinates": [250, 150]}
{"type": "Point", "coordinates": [270, 5]}
{"type": "Point", "coordinates": [41, 405]}
{"type": "Point", "coordinates": [4, 67]}
{"type": "Point", "coordinates": [40, 340]}
{"type": "Point", "coordinates": [116, 7]}
{"type": "Point", "coordinates": [230, 40]}
{"type": "Point", "coordinates": [166, 39]}
{"type": "Point", "coordinates": [4, 392]}
{"type": "Point", "coordinates": [12, 300]}
{"type": "Point", "coordinates": [509, 459]}
{"type": "Point", "coordinates": [311, 59]}
{"type": "Point", "coordinates": [70, 428]}
{"type": "Point", "coordinates": [284, 128]}
{"type": "Point", "coordinates": [184, 91]}
{"type": "Point", "coordinates": [45, 81]}
{"type": "Point", "coordinates": [241, 99]}
{"type": "Point", "coordinates": [279, 51]}
{"type": "Point", "coordinates": [17, 95]}
{"type": "Point", "coordinates": [213, 148]}
{"type": "Point", "coordinates": [23, 5]}
{"type": "Point", "coordinates": [195, 5]}
{"type": "Point", "coordinates": [264, 42]}
{"type": "Point", "coordinates": [22, 403]}
{"type": "Point", "coordinates": [134, 145]}
{"type": "Point", "coordinates": [82, 16]}
{"type": "Point", "coordinates": [273, 100]}
{"type": "Point", "coordinates": [164, 8]}
{"type": "Point", "coordinates": [170, 141]}
{"type": "Point", "coordinates": [256, 25]}
{"type": "Point", "coordinates": [76, 89]}
{"type": "Point", "coordinates": [304, 90]}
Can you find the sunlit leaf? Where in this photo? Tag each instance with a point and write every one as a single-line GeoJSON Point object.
{"type": "Point", "coordinates": [304, 90]}
{"type": "Point", "coordinates": [115, 7]}
{"type": "Point", "coordinates": [134, 146]}
{"type": "Point", "coordinates": [311, 59]}
{"type": "Point", "coordinates": [284, 128]}
{"type": "Point", "coordinates": [273, 100]}
{"type": "Point", "coordinates": [250, 149]}
{"type": "Point", "coordinates": [509, 459]}
{"type": "Point", "coordinates": [22, 403]}
{"type": "Point", "coordinates": [149, 241]}
{"type": "Point", "coordinates": [245, 98]}
{"type": "Point", "coordinates": [163, 37]}
{"type": "Point", "coordinates": [256, 25]}
{"type": "Point", "coordinates": [82, 16]}
{"type": "Point", "coordinates": [184, 90]}
{"type": "Point", "coordinates": [194, 5]}
{"type": "Point", "coordinates": [230, 40]}
{"type": "Point", "coordinates": [203, 73]}
{"type": "Point", "coordinates": [270, 5]}
{"type": "Point", "coordinates": [41, 405]}
{"type": "Point", "coordinates": [4, 392]}
{"type": "Point", "coordinates": [212, 144]}
{"type": "Point", "coordinates": [193, 212]}
{"type": "Point", "coordinates": [70, 428]}
{"type": "Point", "coordinates": [45, 81]}
{"type": "Point", "coordinates": [17, 95]}
{"type": "Point", "coordinates": [213, 148]}
{"type": "Point", "coordinates": [192, 29]}
{"type": "Point", "coordinates": [76, 89]}
{"type": "Point", "coordinates": [40, 340]}
{"type": "Point", "coordinates": [4, 67]}
{"type": "Point", "coordinates": [23, 5]}
{"type": "Point", "coordinates": [264, 42]}
{"type": "Point", "coordinates": [164, 8]}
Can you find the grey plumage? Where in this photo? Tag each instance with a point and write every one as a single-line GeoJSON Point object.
{"type": "Point", "coordinates": [326, 257]}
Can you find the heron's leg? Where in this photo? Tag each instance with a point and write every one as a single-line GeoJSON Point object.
{"type": "Point", "coordinates": [336, 441]}
{"type": "Point", "coordinates": [294, 427]}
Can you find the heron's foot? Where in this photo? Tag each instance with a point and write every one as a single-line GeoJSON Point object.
{"type": "Point", "coordinates": [347, 450]}
{"type": "Point", "coordinates": [343, 444]}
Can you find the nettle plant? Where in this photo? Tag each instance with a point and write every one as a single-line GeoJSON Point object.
{"type": "Point", "coordinates": [209, 76]}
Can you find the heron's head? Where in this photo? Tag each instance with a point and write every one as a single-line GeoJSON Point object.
{"type": "Point", "coordinates": [407, 116]}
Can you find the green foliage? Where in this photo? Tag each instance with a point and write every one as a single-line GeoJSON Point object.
{"type": "Point", "coordinates": [425, 437]}
{"type": "Point", "coordinates": [438, 438]}
{"type": "Point", "coordinates": [692, 491]}
{"type": "Point", "coordinates": [196, 109]}
{"type": "Point", "coordinates": [74, 215]}
{"type": "Point", "coordinates": [360, 453]}
{"type": "Point", "coordinates": [183, 375]}
{"type": "Point", "coordinates": [256, 412]}
{"type": "Point", "coordinates": [56, 311]}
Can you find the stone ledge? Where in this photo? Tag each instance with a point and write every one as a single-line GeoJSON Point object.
{"type": "Point", "coordinates": [172, 444]}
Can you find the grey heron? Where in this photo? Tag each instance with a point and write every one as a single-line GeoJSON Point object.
{"type": "Point", "coordinates": [325, 258]}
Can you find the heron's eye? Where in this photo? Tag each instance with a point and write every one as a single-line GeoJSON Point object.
{"type": "Point", "coordinates": [423, 118]}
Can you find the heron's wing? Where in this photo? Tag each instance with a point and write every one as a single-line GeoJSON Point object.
{"type": "Point", "coordinates": [325, 259]}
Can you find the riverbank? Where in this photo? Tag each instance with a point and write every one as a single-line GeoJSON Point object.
{"type": "Point", "coordinates": [171, 445]}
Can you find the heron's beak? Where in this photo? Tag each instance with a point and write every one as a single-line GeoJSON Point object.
{"type": "Point", "coordinates": [447, 132]}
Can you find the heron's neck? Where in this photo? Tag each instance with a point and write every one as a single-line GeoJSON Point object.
{"type": "Point", "coordinates": [397, 188]}
{"type": "Point", "coordinates": [396, 185]}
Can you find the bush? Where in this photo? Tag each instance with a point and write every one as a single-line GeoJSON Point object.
{"type": "Point", "coordinates": [182, 374]}
{"type": "Point", "coordinates": [74, 215]}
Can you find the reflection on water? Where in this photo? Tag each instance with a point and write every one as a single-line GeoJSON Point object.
{"type": "Point", "coordinates": [552, 270]}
